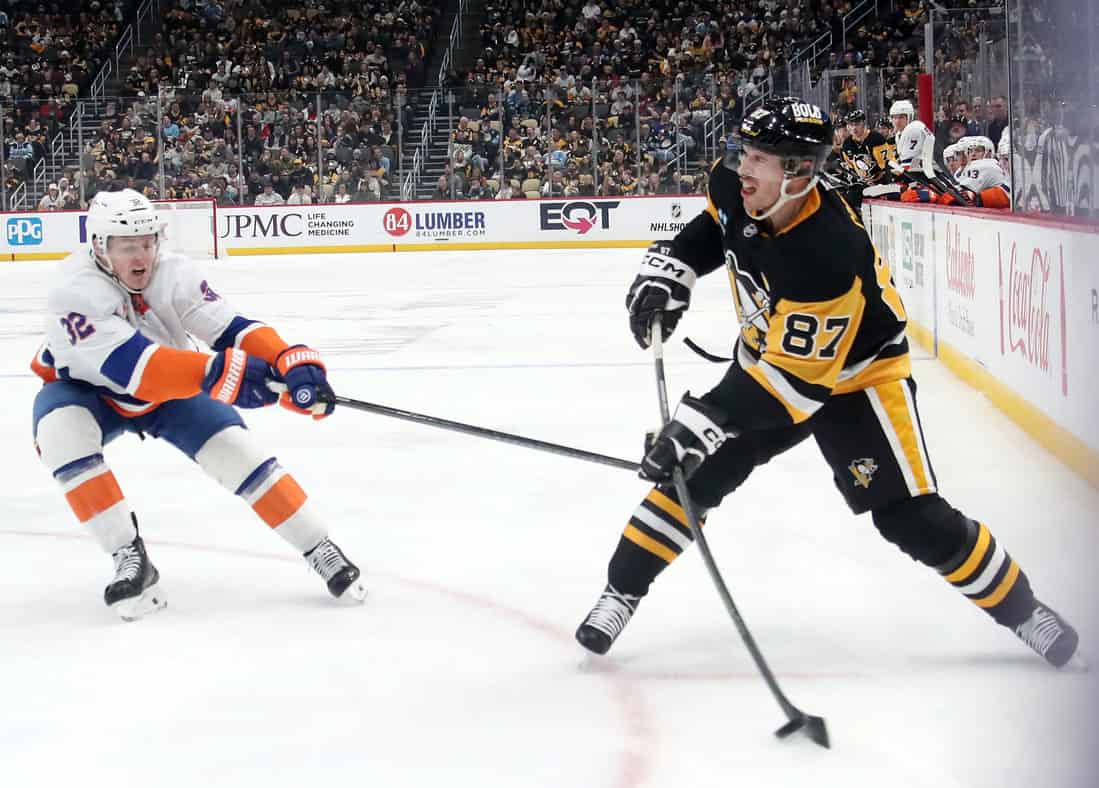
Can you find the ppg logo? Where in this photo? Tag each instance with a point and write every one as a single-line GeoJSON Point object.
{"type": "Point", "coordinates": [24, 231]}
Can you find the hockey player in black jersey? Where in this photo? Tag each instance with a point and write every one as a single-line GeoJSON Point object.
{"type": "Point", "coordinates": [865, 150]}
{"type": "Point", "coordinates": [821, 352]}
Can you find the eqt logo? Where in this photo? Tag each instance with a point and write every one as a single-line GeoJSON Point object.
{"type": "Point", "coordinates": [579, 216]}
{"type": "Point", "coordinates": [24, 231]}
{"type": "Point", "coordinates": [397, 221]}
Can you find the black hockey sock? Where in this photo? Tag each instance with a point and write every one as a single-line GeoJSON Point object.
{"type": "Point", "coordinates": [654, 537]}
{"type": "Point", "coordinates": [963, 551]}
{"type": "Point", "coordinates": [989, 577]}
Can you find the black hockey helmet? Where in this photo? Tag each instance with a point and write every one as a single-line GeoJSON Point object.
{"type": "Point", "coordinates": [791, 128]}
{"type": "Point", "coordinates": [856, 116]}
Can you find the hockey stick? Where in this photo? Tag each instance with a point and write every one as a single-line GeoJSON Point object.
{"type": "Point", "coordinates": [697, 348]}
{"type": "Point", "coordinates": [483, 432]}
{"type": "Point", "coordinates": [797, 720]}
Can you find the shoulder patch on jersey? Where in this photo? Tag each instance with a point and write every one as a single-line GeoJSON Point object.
{"type": "Point", "coordinates": [208, 293]}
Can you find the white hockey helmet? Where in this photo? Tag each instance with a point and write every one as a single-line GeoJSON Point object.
{"type": "Point", "coordinates": [903, 107]}
{"type": "Point", "coordinates": [978, 143]}
{"type": "Point", "coordinates": [915, 143]}
{"type": "Point", "coordinates": [949, 152]}
{"type": "Point", "coordinates": [982, 174]}
{"type": "Point", "coordinates": [125, 212]}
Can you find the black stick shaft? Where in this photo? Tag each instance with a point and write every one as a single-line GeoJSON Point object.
{"type": "Point", "coordinates": [483, 432]}
{"type": "Point", "coordinates": [793, 713]}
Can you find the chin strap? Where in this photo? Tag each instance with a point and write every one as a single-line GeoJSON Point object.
{"type": "Point", "coordinates": [784, 197]}
{"type": "Point", "coordinates": [108, 269]}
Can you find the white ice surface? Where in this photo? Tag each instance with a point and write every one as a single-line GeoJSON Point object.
{"type": "Point", "coordinates": [481, 558]}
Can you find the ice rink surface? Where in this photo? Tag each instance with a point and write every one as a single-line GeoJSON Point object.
{"type": "Point", "coordinates": [481, 558]}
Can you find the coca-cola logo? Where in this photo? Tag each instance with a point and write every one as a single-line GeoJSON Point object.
{"type": "Point", "coordinates": [1026, 296]}
{"type": "Point", "coordinates": [960, 274]}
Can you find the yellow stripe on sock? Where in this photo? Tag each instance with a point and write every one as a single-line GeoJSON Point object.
{"type": "Point", "coordinates": [648, 543]}
{"type": "Point", "coordinates": [1002, 590]}
{"type": "Point", "coordinates": [667, 505]}
{"type": "Point", "coordinates": [974, 560]}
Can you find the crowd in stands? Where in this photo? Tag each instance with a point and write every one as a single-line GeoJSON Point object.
{"type": "Point", "coordinates": [584, 97]}
{"type": "Point", "coordinates": [268, 62]}
{"type": "Point", "coordinates": [48, 55]}
{"type": "Point", "coordinates": [592, 97]}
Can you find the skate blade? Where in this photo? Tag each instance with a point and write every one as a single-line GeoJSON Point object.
{"type": "Point", "coordinates": [151, 600]}
{"type": "Point", "coordinates": [354, 594]}
{"type": "Point", "coordinates": [1077, 664]}
{"type": "Point", "coordinates": [590, 662]}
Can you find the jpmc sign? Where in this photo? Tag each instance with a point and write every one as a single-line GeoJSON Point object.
{"type": "Point", "coordinates": [268, 224]}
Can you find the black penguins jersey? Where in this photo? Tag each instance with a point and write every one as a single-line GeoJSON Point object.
{"type": "Point", "coordinates": [870, 157]}
{"type": "Point", "coordinates": [818, 311]}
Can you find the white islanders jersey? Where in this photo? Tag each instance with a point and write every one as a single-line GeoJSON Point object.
{"type": "Point", "coordinates": [99, 333]}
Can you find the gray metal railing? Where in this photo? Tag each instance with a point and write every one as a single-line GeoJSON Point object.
{"type": "Point", "coordinates": [17, 200]}
{"type": "Point", "coordinates": [419, 155]}
{"type": "Point", "coordinates": [130, 37]}
{"type": "Point", "coordinates": [822, 45]}
{"type": "Point", "coordinates": [855, 16]}
{"type": "Point", "coordinates": [714, 133]}
{"type": "Point", "coordinates": [123, 48]}
{"type": "Point", "coordinates": [38, 177]}
{"type": "Point", "coordinates": [819, 46]}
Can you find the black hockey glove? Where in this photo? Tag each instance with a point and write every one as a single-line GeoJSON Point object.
{"type": "Point", "coordinates": [663, 285]}
{"type": "Point", "coordinates": [693, 434]}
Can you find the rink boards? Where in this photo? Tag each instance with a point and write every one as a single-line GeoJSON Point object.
{"type": "Point", "coordinates": [566, 223]}
{"type": "Point", "coordinates": [1009, 303]}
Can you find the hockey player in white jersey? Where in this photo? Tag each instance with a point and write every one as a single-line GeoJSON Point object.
{"type": "Point", "coordinates": [120, 356]}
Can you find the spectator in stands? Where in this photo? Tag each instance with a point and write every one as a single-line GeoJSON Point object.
{"type": "Point", "coordinates": [368, 189]}
{"type": "Point", "coordinates": [51, 201]}
{"type": "Point", "coordinates": [298, 196]}
{"type": "Point", "coordinates": [442, 189]}
{"type": "Point", "coordinates": [999, 118]}
{"type": "Point", "coordinates": [479, 189]}
{"type": "Point", "coordinates": [22, 154]}
{"type": "Point", "coordinates": [169, 130]}
{"type": "Point", "coordinates": [963, 110]}
{"type": "Point", "coordinates": [510, 190]}
{"type": "Point", "coordinates": [269, 196]}
{"type": "Point", "coordinates": [146, 168]}
{"type": "Point", "coordinates": [554, 185]}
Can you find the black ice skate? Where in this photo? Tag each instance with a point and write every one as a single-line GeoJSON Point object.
{"type": "Point", "coordinates": [134, 592]}
{"type": "Point", "coordinates": [341, 575]}
{"type": "Point", "coordinates": [606, 620]}
{"type": "Point", "coordinates": [1049, 635]}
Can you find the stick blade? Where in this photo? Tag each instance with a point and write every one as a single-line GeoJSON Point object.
{"type": "Point", "coordinates": [814, 728]}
